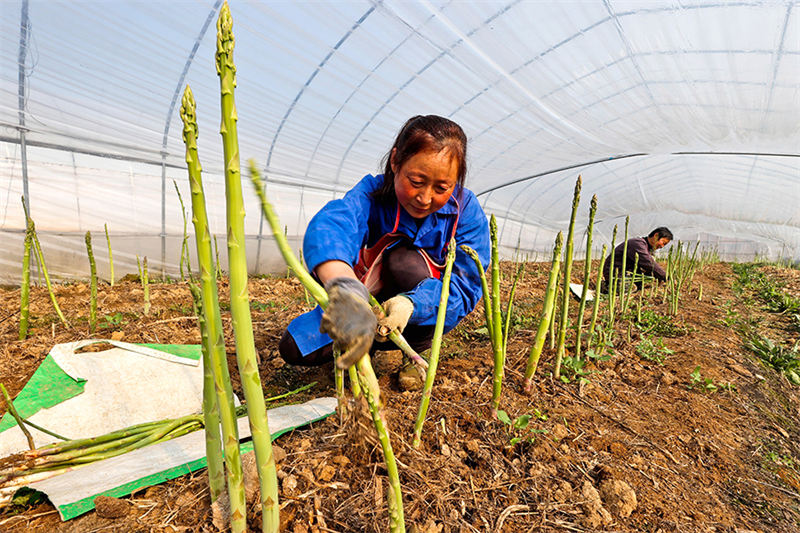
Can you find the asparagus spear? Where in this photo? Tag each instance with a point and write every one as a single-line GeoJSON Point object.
{"type": "Point", "coordinates": [237, 258]}
{"type": "Point", "coordinates": [214, 342]}
{"type": "Point", "coordinates": [547, 312]}
{"type": "Point", "coordinates": [597, 297]}
{"type": "Point", "coordinates": [497, 322]}
{"type": "Point", "coordinates": [110, 256]}
{"type": "Point", "coordinates": [562, 332]}
{"type": "Point", "coordinates": [587, 269]}
{"type": "Point", "coordinates": [92, 284]}
{"type": "Point", "coordinates": [25, 289]}
{"type": "Point", "coordinates": [436, 344]}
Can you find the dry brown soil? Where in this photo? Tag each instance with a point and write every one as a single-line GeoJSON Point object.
{"type": "Point", "coordinates": [633, 449]}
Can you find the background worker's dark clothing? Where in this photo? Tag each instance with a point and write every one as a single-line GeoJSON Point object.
{"type": "Point", "coordinates": [636, 246]}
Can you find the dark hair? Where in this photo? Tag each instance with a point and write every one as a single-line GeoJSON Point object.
{"type": "Point", "coordinates": [418, 134]}
{"type": "Point", "coordinates": [662, 232]}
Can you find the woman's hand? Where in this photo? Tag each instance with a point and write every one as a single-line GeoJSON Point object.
{"type": "Point", "coordinates": [349, 319]}
{"type": "Point", "coordinates": [397, 312]}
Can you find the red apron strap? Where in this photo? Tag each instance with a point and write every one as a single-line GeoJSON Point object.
{"type": "Point", "coordinates": [370, 260]}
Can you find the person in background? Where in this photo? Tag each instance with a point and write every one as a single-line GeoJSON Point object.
{"type": "Point", "coordinates": [643, 247]}
{"type": "Point", "coordinates": [388, 237]}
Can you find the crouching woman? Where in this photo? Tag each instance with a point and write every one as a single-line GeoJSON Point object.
{"type": "Point", "coordinates": [388, 237]}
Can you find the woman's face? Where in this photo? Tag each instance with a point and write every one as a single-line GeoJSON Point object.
{"type": "Point", "coordinates": [425, 182]}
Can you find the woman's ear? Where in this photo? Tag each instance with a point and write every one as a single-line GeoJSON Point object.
{"type": "Point", "coordinates": [392, 164]}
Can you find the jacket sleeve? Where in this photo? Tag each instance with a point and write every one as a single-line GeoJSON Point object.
{"type": "Point", "coordinates": [647, 265]}
{"type": "Point", "coordinates": [339, 229]}
{"type": "Point", "coordinates": [465, 281]}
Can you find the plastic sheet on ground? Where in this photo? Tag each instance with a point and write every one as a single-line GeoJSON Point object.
{"type": "Point", "coordinates": [87, 394]}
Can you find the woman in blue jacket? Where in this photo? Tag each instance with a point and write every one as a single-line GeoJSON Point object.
{"type": "Point", "coordinates": [388, 236]}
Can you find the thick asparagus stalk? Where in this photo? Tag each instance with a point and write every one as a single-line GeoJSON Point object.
{"type": "Point", "coordinates": [218, 271]}
{"type": "Point", "coordinates": [110, 256]}
{"type": "Point", "coordinates": [436, 345]}
{"type": "Point", "coordinates": [216, 470]}
{"type": "Point", "coordinates": [497, 322]}
{"type": "Point", "coordinates": [92, 284]}
{"type": "Point", "coordinates": [237, 259]}
{"type": "Point", "coordinates": [25, 289]}
{"type": "Point", "coordinates": [562, 332]}
{"type": "Point", "coordinates": [587, 270]}
{"type": "Point", "coordinates": [214, 341]}
{"type": "Point", "coordinates": [547, 312]}
{"type": "Point", "coordinates": [369, 384]}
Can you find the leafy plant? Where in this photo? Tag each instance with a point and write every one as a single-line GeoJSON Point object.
{"type": "Point", "coordinates": [707, 384]}
{"type": "Point", "coordinates": [778, 357]}
{"type": "Point", "coordinates": [112, 321]}
{"type": "Point", "coordinates": [574, 367]}
{"type": "Point", "coordinates": [653, 350]}
{"type": "Point", "coordinates": [519, 429]}
{"type": "Point", "coordinates": [651, 322]}
{"type": "Point", "coordinates": [262, 306]}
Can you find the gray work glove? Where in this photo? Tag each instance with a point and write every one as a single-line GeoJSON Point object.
{"type": "Point", "coordinates": [349, 319]}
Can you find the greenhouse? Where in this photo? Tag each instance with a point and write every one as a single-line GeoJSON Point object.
{"type": "Point", "coordinates": [134, 136]}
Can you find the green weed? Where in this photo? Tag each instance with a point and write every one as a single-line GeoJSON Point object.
{"type": "Point", "coordinates": [707, 384]}
{"type": "Point", "coordinates": [653, 350]}
{"type": "Point", "coordinates": [519, 429]}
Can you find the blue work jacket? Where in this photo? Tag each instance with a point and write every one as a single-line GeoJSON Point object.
{"type": "Point", "coordinates": [341, 228]}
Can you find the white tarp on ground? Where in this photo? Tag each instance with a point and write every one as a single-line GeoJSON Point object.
{"type": "Point", "coordinates": [125, 385]}
{"type": "Point", "coordinates": [104, 476]}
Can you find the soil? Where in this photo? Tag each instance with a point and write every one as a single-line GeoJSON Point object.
{"type": "Point", "coordinates": [637, 445]}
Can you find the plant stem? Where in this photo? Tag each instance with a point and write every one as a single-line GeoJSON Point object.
{"type": "Point", "coordinates": [510, 307]}
{"type": "Point", "coordinates": [562, 333]}
{"type": "Point", "coordinates": [40, 258]}
{"type": "Point", "coordinates": [369, 384]}
{"type": "Point", "coordinates": [211, 418]}
{"type": "Point", "coordinates": [92, 284]}
{"type": "Point", "coordinates": [43, 430]}
{"type": "Point", "coordinates": [218, 271]}
{"type": "Point", "coordinates": [596, 307]}
{"type": "Point", "coordinates": [587, 270]}
{"type": "Point", "coordinates": [237, 258]}
{"type": "Point", "coordinates": [436, 345]}
{"type": "Point", "coordinates": [487, 297]}
{"type": "Point", "coordinates": [110, 255]}
{"type": "Point", "coordinates": [497, 321]}
{"type": "Point", "coordinates": [15, 414]}
{"type": "Point", "coordinates": [146, 286]}
{"type": "Point", "coordinates": [547, 312]}
{"type": "Point", "coordinates": [624, 272]}
{"type": "Point", "coordinates": [185, 243]}
{"type": "Point", "coordinates": [25, 289]}
{"type": "Point", "coordinates": [611, 278]}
